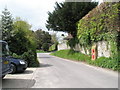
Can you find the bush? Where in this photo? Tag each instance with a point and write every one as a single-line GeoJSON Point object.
{"type": "Point", "coordinates": [30, 57]}
{"type": "Point", "coordinates": [107, 63]}
{"type": "Point", "coordinates": [16, 56]}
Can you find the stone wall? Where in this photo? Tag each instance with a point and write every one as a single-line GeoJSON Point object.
{"type": "Point", "coordinates": [103, 49]}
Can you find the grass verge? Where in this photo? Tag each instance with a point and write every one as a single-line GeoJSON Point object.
{"type": "Point", "coordinates": [40, 51]}
{"type": "Point", "coordinates": [77, 56]}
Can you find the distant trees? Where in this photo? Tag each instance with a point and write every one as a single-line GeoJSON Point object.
{"type": "Point", "coordinates": [54, 38]}
{"type": "Point", "coordinates": [44, 40]}
{"type": "Point", "coordinates": [55, 41]}
{"type": "Point", "coordinates": [66, 14]}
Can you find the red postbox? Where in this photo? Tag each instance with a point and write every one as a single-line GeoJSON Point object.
{"type": "Point", "coordinates": [93, 51]}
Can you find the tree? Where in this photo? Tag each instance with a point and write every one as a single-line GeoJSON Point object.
{"type": "Point", "coordinates": [43, 39]}
{"type": "Point", "coordinates": [45, 46]}
{"type": "Point", "coordinates": [0, 30]}
{"type": "Point", "coordinates": [55, 41]}
{"type": "Point", "coordinates": [6, 24]}
{"type": "Point", "coordinates": [66, 14]}
{"type": "Point", "coordinates": [22, 39]}
{"type": "Point", "coordinates": [23, 43]}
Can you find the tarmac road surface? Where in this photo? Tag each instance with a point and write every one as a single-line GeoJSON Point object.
{"type": "Point", "coordinates": [61, 73]}
{"type": "Point", "coordinates": [56, 72]}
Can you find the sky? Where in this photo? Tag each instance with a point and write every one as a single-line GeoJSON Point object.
{"type": "Point", "coordinates": [32, 11]}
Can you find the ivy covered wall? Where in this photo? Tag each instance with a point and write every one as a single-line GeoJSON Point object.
{"type": "Point", "coordinates": [101, 24]}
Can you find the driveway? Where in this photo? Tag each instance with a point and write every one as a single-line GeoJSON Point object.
{"type": "Point", "coordinates": [19, 80]}
{"type": "Point", "coordinates": [55, 72]}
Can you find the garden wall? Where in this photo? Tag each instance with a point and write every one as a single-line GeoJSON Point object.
{"type": "Point", "coordinates": [103, 49]}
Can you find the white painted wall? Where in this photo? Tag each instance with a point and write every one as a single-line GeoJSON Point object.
{"type": "Point", "coordinates": [103, 49]}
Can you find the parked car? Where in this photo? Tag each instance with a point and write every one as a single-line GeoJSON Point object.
{"type": "Point", "coordinates": [5, 67]}
{"type": "Point", "coordinates": [5, 64]}
{"type": "Point", "coordinates": [17, 65]}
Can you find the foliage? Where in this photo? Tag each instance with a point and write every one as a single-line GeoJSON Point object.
{"type": "Point", "coordinates": [77, 56]}
{"type": "Point", "coordinates": [22, 39]}
{"type": "Point", "coordinates": [54, 38]}
{"type": "Point", "coordinates": [16, 56]}
{"type": "Point", "coordinates": [45, 46]}
{"type": "Point", "coordinates": [30, 57]}
{"type": "Point", "coordinates": [55, 42]}
{"type": "Point", "coordinates": [0, 30]}
{"type": "Point", "coordinates": [72, 42]}
{"type": "Point", "coordinates": [43, 40]}
{"type": "Point", "coordinates": [6, 24]}
{"type": "Point", "coordinates": [66, 14]}
{"type": "Point", "coordinates": [100, 24]}
{"type": "Point", "coordinates": [106, 63]}
{"type": "Point", "coordinates": [53, 47]}
{"type": "Point", "coordinates": [40, 51]}
{"type": "Point", "coordinates": [23, 43]}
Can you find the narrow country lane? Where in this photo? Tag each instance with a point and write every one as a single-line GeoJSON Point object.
{"type": "Point", "coordinates": [61, 73]}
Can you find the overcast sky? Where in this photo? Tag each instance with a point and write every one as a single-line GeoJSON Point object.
{"type": "Point", "coordinates": [32, 11]}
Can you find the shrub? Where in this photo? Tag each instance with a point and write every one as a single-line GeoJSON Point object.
{"type": "Point", "coordinates": [16, 56]}
{"type": "Point", "coordinates": [30, 57]}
